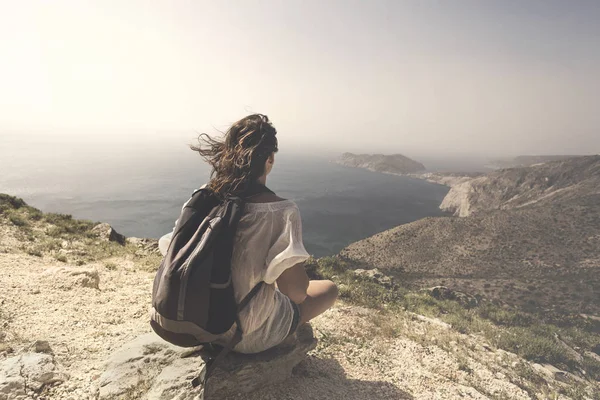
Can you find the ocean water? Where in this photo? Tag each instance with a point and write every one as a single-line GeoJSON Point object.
{"type": "Point", "coordinates": [139, 188]}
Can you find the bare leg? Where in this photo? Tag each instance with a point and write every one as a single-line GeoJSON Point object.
{"type": "Point", "coordinates": [320, 297]}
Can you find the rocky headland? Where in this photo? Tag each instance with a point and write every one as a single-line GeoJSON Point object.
{"type": "Point", "coordinates": [390, 164]}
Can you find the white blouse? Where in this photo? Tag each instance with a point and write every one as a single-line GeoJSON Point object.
{"type": "Point", "coordinates": [268, 241]}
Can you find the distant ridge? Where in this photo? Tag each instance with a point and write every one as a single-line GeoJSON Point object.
{"type": "Point", "coordinates": [391, 164]}
{"type": "Point", "coordinates": [528, 160]}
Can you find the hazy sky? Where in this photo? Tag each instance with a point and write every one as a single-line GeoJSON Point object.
{"type": "Point", "coordinates": [409, 76]}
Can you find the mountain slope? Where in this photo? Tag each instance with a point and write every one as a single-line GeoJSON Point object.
{"type": "Point", "coordinates": [548, 183]}
{"type": "Point", "coordinates": [521, 244]}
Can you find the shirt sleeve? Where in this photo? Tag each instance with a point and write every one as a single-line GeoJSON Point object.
{"type": "Point", "coordinates": [288, 248]}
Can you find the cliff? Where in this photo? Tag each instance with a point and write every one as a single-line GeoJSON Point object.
{"type": "Point", "coordinates": [547, 183]}
{"type": "Point", "coordinates": [392, 164]}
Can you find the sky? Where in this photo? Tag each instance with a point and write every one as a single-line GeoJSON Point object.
{"type": "Point", "coordinates": [502, 77]}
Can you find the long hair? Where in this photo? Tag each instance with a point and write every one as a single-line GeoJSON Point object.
{"type": "Point", "coordinates": [238, 159]}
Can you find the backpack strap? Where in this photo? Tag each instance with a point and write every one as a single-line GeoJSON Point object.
{"type": "Point", "coordinates": [212, 363]}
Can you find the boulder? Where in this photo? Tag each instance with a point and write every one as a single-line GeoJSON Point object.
{"type": "Point", "coordinates": [146, 245]}
{"type": "Point", "coordinates": [444, 293]}
{"type": "Point", "coordinates": [106, 232]}
{"type": "Point", "coordinates": [68, 277]}
{"type": "Point", "coordinates": [376, 276]}
{"type": "Point", "coordinates": [41, 346]}
{"type": "Point", "coordinates": [151, 368]}
{"type": "Point", "coordinates": [29, 372]}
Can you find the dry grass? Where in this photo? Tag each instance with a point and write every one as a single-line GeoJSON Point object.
{"type": "Point", "coordinates": [531, 336]}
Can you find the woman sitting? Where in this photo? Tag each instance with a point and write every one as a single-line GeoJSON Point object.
{"type": "Point", "coordinates": [268, 245]}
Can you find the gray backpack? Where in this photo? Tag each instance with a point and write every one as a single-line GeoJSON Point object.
{"type": "Point", "coordinates": [193, 300]}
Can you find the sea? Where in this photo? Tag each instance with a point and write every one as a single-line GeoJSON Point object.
{"type": "Point", "coordinates": [139, 186]}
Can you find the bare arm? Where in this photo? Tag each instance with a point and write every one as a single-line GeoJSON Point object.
{"type": "Point", "coordinates": [293, 282]}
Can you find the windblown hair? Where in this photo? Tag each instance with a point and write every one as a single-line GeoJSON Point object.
{"type": "Point", "coordinates": [238, 159]}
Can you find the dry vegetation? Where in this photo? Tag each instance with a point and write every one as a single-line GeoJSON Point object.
{"type": "Point", "coordinates": [62, 237]}
{"type": "Point", "coordinates": [546, 339]}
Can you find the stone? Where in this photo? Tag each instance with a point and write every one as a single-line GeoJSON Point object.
{"type": "Point", "coordinates": [591, 354]}
{"type": "Point", "coordinates": [146, 245]}
{"type": "Point", "coordinates": [106, 232]}
{"type": "Point", "coordinates": [28, 371]}
{"type": "Point", "coordinates": [444, 293]}
{"type": "Point", "coordinates": [68, 277]}
{"type": "Point", "coordinates": [150, 367]}
{"type": "Point", "coordinates": [568, 349]}
{"type": "Point", "coordinates": [41, 346]}
{"type": "Point", "coordinates": [5, 348]}
{"type": "Point", "coordinates": [376, 276]}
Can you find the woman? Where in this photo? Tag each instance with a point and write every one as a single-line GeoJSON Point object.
{"type": "Point", "coordinates": [268, 245]}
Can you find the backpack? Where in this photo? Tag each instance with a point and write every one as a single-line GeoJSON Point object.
{"type": "Point", "coordinates": [193, 300]}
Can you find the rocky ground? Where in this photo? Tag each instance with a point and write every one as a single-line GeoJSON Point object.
{"type": "Point", "coordinates": [355, 358]}
{"type": "Point", "coordinates": [69, 298]}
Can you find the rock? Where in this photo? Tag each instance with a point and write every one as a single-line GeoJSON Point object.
{"type": "Point", "coordinates": [5, 348]}
{"type": "Point", "coordinates": [591, 354]}
{"type": "Point", "coordinates": [568, 349]}
{"type": "Point", "coordinates": [433, 321]}
{"type": "Point", "coordinates": [106, 232]}
{"type": "Point", "coordinates": [68, 277]}
{"type": "Point", "coordinates": [145, 244]}
{"type": "Point", "coordinates": [444, 293]}
{"type": "Point", "coordinates": [28, 371]}
{"type": "Point", "coordinates": [376, 276]}
{"type": "Point", "coordinates": [553, 372]}
{"type": "Point", "coordinates": [155, 369]}
{"type": "Point", "coordinates": [41, 346]}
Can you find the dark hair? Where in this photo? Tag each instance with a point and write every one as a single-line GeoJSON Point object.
{"type": "Point", "coordinates": [238, 159]}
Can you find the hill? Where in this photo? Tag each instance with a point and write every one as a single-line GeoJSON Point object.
{"type": "Point", "coordinates": [392, 164]}
{"type": "Point", "coordinates": [548, 184]}
{"type": "Point", "coordinates": [530, 237]}
{"type": "Point", "coordinates": [526, 161]}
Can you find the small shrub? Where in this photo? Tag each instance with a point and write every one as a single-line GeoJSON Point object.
{"type": "Point", "coordinates": [34, 252]}
{"type": "Point", "coordinates": [57, 218]}
{"type": "Point", "coordinates": [34, 214]}
{"type": "Point", "coordinates": [10, 202]}
{"type": "Point", "coordinates": [502, 316]}
{"type": "Point", "coordinates": [17, 220]}
{"type": "Point", "coordinates": [111, 266]}
{"type": "Point", "coordinates": [463, 365]}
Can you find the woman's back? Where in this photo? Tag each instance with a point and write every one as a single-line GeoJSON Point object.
{"type": "Point", "coordinates": [268, 241]}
